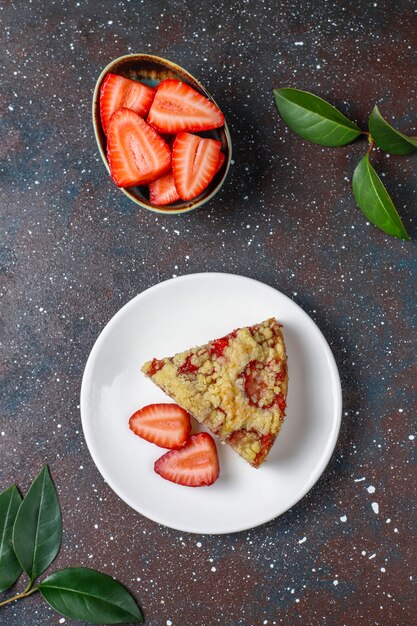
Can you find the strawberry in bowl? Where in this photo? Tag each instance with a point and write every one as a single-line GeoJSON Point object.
{"type": "Point", "coordinates": [145, 107]}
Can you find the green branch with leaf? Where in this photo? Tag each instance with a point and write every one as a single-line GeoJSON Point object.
{"type": "Point", "coordinates": [318, 121]}
{"type": "Point", "coordinates": [30, 539]}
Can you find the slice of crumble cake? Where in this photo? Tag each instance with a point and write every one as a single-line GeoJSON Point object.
{"type": "Point", "coordinates": [236, 386]}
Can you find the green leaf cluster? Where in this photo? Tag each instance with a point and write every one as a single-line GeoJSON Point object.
{"type": "Point", "coordinates": [30, 539]}
{"type": "Point", "coordinates": [318, 121]}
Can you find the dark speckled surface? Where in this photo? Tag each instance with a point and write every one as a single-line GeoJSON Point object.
{"type": "Point", "coordinates": [74, 250]}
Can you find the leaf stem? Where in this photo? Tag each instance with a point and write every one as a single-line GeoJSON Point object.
{"type": "Point", "coordinates": [371, 146]}
{"type": "Point", "coordinates": [30, 583]}
{"type": "Point", "coordinates": [24, 594]}
{"type": "Point", "coordinates": [366, 132]}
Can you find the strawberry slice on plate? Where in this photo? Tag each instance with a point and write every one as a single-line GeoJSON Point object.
{"type": "Point", "coordinates": [166, 425]}
{"type": "Point", "coordinates": [194, 163]}
{"type": "Point", "coordinates": [177, 106]}
{"type": "Point", "coordinates": [195, 464]}
{"type": "Point", "coordinates": [117, 91]}
{"type": "Point", "coordinates": [137, 154]}
{"type": "Point", "coordinates": [163, 190]}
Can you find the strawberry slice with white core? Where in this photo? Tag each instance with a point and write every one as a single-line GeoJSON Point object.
{"type": "Point", "coordinates": [166, 425]}
{"type": "Point", "coordinates": [117, 91]}
{"type": "Point", "coordinates": [137, 154]}
{"type": "Point", "coordinates": [163, 190]}
{"type": "Point", "coordinates": [194, 163]}
{"type": "Point", "coordinates": [195, 465]}
{"type": "Point", "coordinates": [177, 106]}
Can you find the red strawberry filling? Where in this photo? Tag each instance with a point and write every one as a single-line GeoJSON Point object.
{"type": "Point", "coordinates": [156, 365]}
{"type": "Point", "coordinates": [188, 366]}
{"type": "Point", "coordinates": [259, 380]}
{"type": "Point", "coordinates": [281, 402]}
{"type": "Point", "coordinates": [218, 346]}
{"type": "Point", "coordinates": [266, 442]}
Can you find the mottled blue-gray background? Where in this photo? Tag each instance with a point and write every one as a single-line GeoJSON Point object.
{"type": "Point", "coordinates": [74, 250]}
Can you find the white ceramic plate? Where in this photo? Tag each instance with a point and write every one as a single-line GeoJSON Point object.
{"type": "Point", "coordinates": [171, 317]}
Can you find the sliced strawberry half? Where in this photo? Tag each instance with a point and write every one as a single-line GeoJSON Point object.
{"type": "Point", "coordinates": [194, 163]}
{"type": "Point", "coordinates": [177, 106]}
{"type": "Point", "coordinates": [137, 154]}
{"type": "Point", "coordinates": [166, 425]}
{"type": "Point", "coordinates": [220, 162]}
{"type": "Point", "coordinates": [163, 191]}
{"type": "Point", "coordinates": [195, 465]}
{"type": "Point", "coordinates": [117, 91]}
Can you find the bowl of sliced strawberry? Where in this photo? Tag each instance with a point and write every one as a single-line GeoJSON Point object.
{"type": "Point", "coordinates": [161, 135]}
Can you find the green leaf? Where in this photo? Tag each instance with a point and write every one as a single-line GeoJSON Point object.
{"type": "Point", "coordinates": [85, 594]}
{"type": "Point", "coordinates": [313, 118]}
{"type": "Point", "coordinates": [37, 529]}
{"type": "Point", "coordinates": [387, 138]}
{"type": "Point", "coordinates": [374, 200]}
{"type": "Point", "coordinates": [10, 569]}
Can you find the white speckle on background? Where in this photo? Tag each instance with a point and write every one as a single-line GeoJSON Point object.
{"type": "Point", "coordinates": [303, 540]}
{"type": "Point", "coordinates": [298, 43]}
{"type": "Point", "coordinates": [335, 582]}
{"type": "Point", "coordinates": [343, 518]}
{"type": "Point", "coordinates": [372, 556]}
{"type": "Point", "coordinates": [359, 480]}
{"type": "Point", "coordinates": [375, 507]}
{"type": "Point", "coordinates": [213, 569]}
{"type": "Point", "coordinates": [411, 437]}
{"type": "Point", "coordinates": [370, 489]}
{"type": "Point", "coordinates": [198, 544]}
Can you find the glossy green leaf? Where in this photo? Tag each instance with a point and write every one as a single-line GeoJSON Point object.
{"type": "Point", "coordinates": [374, 200]}
{"type": "Point", "coordinates": [314, 119]}
{"type": "Point", "coordinates": [37, 529]}
{"type": "Point", "coordinates": [387, 138]}
{"type": "Point", "coordinates": [10, 569]}
{"type": "Point", "coordinates": [85, 594]}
